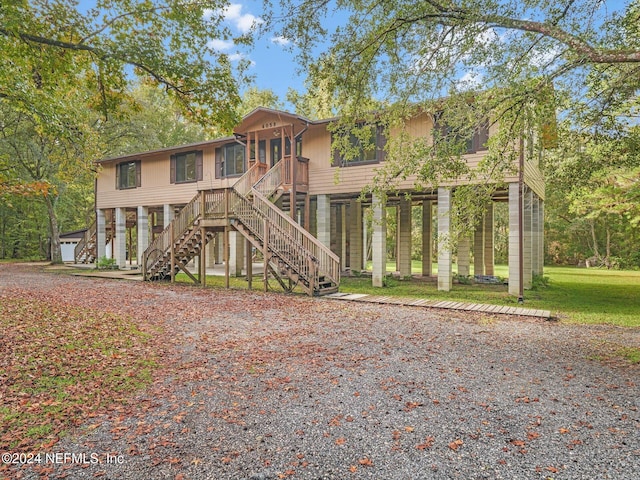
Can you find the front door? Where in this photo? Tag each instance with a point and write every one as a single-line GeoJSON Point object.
{"type": "Point", "coordinates": [276, 150]}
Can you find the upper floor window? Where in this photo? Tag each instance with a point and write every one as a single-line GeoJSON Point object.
{"type": "Point", "coordinates": [472, 143]}
{"type": "Point", "coordinates": [128, 175]}
{"type": "Point", "coordinates": [366, 146]}
{"type": "Point", "coordinates": [230, 160]}
{"type": "Point", "coordinates": [186, 167]}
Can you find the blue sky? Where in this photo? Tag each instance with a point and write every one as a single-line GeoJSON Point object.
{"type": "Point", "coordinates": [272, 65]}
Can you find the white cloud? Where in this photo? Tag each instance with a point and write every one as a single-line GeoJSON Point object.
{"type": "Point", "coordinates": [233, 14]}
{"type": "Point", "coordinates": [471, 79]}
{"type": "Point", "coordinates": [236, 57]}
{"type": "Point", "coordinates": [219, 45]}
{"type": "Point", "coordinates": [280, 40]}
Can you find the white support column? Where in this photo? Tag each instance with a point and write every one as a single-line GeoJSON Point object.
{"type": "Point", "coordinates": [323, 220]}
{"type": "Point", "coordinates": [514, 240]}
{"type": "Point", "coordinates": [342, 237]}
{"type": "Point", "coordinates": [526, 258]}
{"type": "Point", "coordinates": [535, 237]}
{"type": "Point", "coordinates": [489, 235]}
{"type": "Point", "coordinates": [478, 249]}
{"type": "Point", "coordinates": [313, 217]}
{"type": "Point", "coordinates": [379, 241]}
{"type": "Point", "coordinates": [427, 238]}
{"type": "Point", "coordinates": [236, 254]}
{"type": "Point", "coordinates": [143, 232]}
{"type": "Point", "coordinates": [464, 257]}
{"type": "Point", "coordinates": [167, 214]}
{"type": "Point", "coordinates": [355, 235]}
{"type": "Point", "coordinates": [211, 252]}
{"type": "Point", "coordinates": [101, 235]}
{"type": "Point", "coordinates": [445, 269]}
{"type": "Point", "coordinates": [403, 238]}
{"type": "Point", "coordinates": [365, 239]}
{"type": "Point", "coordinates": [541, 236]}
{"type": "Point", "coordinates": [334, 225]}
{"type": "Point", "coordinates": [120, 240]}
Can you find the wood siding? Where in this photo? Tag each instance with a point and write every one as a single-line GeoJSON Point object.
{"type": "Point", "coordinates": [155, 187]}
{"type": "Point", "coordinates": [324, 177]}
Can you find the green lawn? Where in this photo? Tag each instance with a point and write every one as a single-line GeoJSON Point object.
{"type": "Point", "coordinates": [576, 295]}
{"type": "Point", "coordinates": [573, 294]}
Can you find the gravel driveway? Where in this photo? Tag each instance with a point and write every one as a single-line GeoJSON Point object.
{"type": "Point", "coordinates": [270, 386]}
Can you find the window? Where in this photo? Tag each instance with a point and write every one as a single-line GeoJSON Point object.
{"type": "Point", "coordinates": [472, 144]}
{"type": "Point", "coordinates": [186, 167]}
{"type": "Point", "coordinates": [128, 175]}
{"type": "Point", "coordinates": [230, 160]}
{"type": "Point", "coordinates": [262, 151]}
{"type": "Point", "coordinates": [368, 148]}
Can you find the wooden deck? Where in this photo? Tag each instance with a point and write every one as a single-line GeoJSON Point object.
{"type": "Point", "coordinates": [444, 304]}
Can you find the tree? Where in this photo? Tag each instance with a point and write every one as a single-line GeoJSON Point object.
{"type": "Point", "coordinates": [254, 98]}
{"type": "Point", "coordinates": [467, 62]}
{"type": "Point", "coordinates": [150, 122]}
{"type": "Point", "coordinates": [38, 164]}
{"type": "Point", "coordinates": [510, 57]}
{"type": "Point", "coordinates": [65, 74]}
{"type": "Point", "coordinates": [165, 42]}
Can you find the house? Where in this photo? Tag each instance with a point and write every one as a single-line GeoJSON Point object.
{"type": "Point", "coordinates": [276, 187]}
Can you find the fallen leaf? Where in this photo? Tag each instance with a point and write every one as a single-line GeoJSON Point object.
{"type": "Point", "coordinates": [456, 444]}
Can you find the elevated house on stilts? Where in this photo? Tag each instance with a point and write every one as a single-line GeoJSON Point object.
{"type": "Point", "coordinates": [271, 188]}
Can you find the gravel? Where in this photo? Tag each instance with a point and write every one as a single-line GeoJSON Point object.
{"type": "Point", "coordinates": [272, 386]}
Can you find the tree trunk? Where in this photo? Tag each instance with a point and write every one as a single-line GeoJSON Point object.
{"type": "Point", "coordinates": [596, 253]}
{"type": "Point", "coordinates": [56, 251]}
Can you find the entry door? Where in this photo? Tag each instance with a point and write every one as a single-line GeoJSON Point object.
{"type": "Point", "coordinates": [276, 150]}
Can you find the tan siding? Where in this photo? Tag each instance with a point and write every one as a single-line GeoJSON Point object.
{"type": "Point", "coordinates": [534, 178]}
{"type": "Point", "coordinates": [156, 188]}
{"type": "Point", "coordinates": [323, 177]}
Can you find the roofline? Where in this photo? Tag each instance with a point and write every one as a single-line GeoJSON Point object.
{"type": "Point", "coordinates": [275, 111]}
{"type": "Point", "coordinates": [167, 149]}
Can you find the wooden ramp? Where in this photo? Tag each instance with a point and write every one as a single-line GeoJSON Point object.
{"type": "Point", "coordinates": [444, 304]}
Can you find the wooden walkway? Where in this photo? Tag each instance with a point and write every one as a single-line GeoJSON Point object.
{"type": "Point", "coordinates": [445, 304]}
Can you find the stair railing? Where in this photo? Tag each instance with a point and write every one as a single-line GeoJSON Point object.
{"type": "Point", "coordinates": [328, 262]}
{"type": "Point", "coordinates": [164, 241]}
{"type": "Point", "coordinates": [249, 178]}
{"type": "Point", "coordinates": [84, 242]}
{"type": "Point", "coordinates": [271, 180]}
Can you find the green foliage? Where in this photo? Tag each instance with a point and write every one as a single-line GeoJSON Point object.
{"type": "Point", "coordinates": [51, 47]}
{"type": "Point", "coordinates": [105, 263]}
{"type": "Point", "coordinates": [514, 64]}
{"type": "Point", "coordinates": [539, 281]}
{"type": "Point", "coordinates": [254, 98]}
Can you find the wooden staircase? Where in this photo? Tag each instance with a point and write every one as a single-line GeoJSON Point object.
{"type": "Point", "coordinates": [292, 255]}
{"type": "Point", "coordinates": [86, 250]}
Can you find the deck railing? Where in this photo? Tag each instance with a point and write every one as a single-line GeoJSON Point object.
{"type": "Point", "coordinates": [328, 262]}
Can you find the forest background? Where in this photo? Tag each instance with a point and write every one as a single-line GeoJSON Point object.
{"type": "Point", "coordinates": [77, 86]}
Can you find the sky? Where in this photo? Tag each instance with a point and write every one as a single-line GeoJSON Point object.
{"type": "Point", "coordinates": [272, 65]}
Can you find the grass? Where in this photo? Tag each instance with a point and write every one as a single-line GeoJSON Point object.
{"type": "Point", "coordinates": [64, 363]}
{"type": "Point", "coordinates": [576, 295]}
